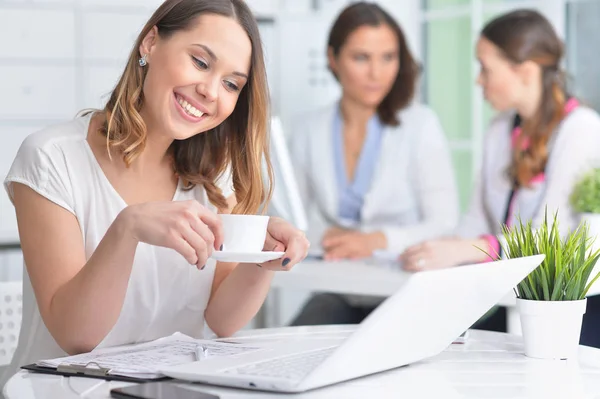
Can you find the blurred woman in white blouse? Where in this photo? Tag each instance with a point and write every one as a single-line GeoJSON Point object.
{"type": "Point", "coordinates": [374, 168]}
{"type": "Point", "coordinates": [534, 150]}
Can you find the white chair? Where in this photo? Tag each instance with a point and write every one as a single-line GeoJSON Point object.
{"type": "Point", "coordinates": [11, 309]}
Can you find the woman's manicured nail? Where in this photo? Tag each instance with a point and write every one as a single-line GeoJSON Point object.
{"type": "Point", "coordinates": [285, 262]}
{"type": "Point", "coordinates": [221, 248]}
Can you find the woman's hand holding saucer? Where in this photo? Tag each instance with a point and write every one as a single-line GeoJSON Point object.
{"type": "Point", "coordinates": [282, 236]}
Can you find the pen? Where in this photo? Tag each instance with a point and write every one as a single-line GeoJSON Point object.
{"type": "Point", "coordinates": [201, 352]}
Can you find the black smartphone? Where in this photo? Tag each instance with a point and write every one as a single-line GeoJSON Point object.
{"type": "Point", "coordinates": [159, 390]}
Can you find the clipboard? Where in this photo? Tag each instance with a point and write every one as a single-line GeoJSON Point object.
{"type": "Point", "coordinates": [137, 363]}
{"type": "Point", "coordinates": [91, 370]}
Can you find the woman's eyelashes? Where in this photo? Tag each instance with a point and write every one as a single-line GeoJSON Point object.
{"type": "Point", "coordinates": [231, 86]}
{"type": "Point", "coordinates": [199, 63]}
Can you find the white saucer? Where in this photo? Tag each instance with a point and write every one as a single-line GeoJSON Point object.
{"type": "Point", "coordinates": [246, 257]}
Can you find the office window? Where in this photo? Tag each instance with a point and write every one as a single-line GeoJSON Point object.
{"type": "Point", "coordinates": [448, 82]}
{"type": "Point", "coordinates": [582, 45]}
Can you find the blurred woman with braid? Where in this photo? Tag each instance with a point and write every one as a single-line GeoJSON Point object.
{"type": "Point", "coordinates": [534, 150]}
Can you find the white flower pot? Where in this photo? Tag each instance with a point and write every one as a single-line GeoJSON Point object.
{"type": "Point", "coordinates": [551, 329]}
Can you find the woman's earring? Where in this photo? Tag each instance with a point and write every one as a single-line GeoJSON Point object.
{"type": "Point", "coordinates": [142, 61]}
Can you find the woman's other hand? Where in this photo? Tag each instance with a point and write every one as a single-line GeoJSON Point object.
{"type": "Point", "coordinates": [351, 244]}
{"type": "Point", "coordinates": [443, 253]}
{"type": "Point", "coordinates": [282, 236]}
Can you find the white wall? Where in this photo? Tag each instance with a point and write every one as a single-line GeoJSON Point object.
{"type": "Point", "coordinates": [56, 58]}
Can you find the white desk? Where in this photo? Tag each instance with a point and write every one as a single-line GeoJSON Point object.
{"type": "Point", "coordinates": [488, 365]}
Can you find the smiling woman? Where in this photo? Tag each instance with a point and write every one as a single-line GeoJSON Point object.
{"type": "Point", "coordinates": [117, 209]}
{"type": "Point", "coordinates": [180, 43]}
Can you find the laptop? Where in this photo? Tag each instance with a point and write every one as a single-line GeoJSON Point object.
{"type": "Point", "coordinates": [427, 313]}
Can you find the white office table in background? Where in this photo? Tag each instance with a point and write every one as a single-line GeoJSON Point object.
{"type": "Point", "coordinates": [364, 277]}
{"type": "Point", "coordinates": [487, 365]}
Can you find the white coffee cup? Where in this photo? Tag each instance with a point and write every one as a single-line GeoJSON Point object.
{"type": "Point", "coordinates": [244, 233]}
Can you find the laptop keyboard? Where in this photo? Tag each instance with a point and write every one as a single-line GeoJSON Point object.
{"type": "Point", "coordinates": [292, 367]}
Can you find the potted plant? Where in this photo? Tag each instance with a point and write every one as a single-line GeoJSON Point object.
{"type": "Point", "coordinates": [585, 200]}
{"type": "Point", "coordinates": [551, 299]}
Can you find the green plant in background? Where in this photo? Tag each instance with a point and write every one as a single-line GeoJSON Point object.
{"type": "Point", "coordinates": [565, 273]}
{"type": "Point", "coordinates": [585, 197]}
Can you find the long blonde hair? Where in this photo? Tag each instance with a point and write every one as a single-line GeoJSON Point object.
{"type": "Point", "coordinates": [241, 141]}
